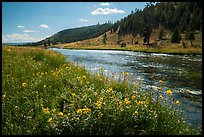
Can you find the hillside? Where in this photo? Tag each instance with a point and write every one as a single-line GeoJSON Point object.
{"type": "Point", "coordinates": [77, 34]}
{"type": "Point", "coordinates": [161, 46]}
{"type": "Point", "coordinates": [153, 29]}
{"type": "Point", "coordinates": [167, 27]}
{"type": "Point", "coordinates": [184, 16]}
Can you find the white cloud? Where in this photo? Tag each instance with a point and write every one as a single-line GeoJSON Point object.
{"type": "Point", "coordinates": [83, 20]}
{"type": "Point", "coordinates": [19, 26]}
{"type": "Point", "coordinates": [43, 26]}
{"type": "Point", "coordinates": [29, 31]}
{"type": "Point", "coordinates": [19, 38]}
{"type": "Point", "coordinates": [105, 11]}
{"type": "Point", "coordinates": [105, 4]}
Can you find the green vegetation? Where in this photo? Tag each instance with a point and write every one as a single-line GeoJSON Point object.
{"type": "Point", "coordinates": [176, 37]}
{"type": "Point", "coordinates": [104, 39]}
{"type": "Point", "coordinates": [183, 15]}
{"type": "Point", "coordinates": [76, 34]}
{"type": "Point", "coordinates": [164, 27]}
{"type": "Point", "coordinates": [44, 94]}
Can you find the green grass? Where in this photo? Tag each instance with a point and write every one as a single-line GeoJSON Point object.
{"type": "Point", "coordinates": [44, 94]}
{"type": "Point", "coordinates": [169, 48]}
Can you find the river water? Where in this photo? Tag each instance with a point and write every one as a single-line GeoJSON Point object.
{"type": "Point", "coordinates": [180, 73]}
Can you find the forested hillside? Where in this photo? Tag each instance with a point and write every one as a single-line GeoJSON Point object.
{"type": "Point", "coordinates": [182, 17]}
{"type": "Point", "coordinates": [77, 34]}
{"type": "Point", "coordinates": [174, 17]}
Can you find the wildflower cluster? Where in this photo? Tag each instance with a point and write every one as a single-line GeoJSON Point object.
{"type": "Point", "coordinates": [99, 103]}
{"type": "Point", "coordinates": [83, 110]}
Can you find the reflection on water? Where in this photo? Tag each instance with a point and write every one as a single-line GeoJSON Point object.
{"type": "Point", "coordinates": [181, 73]}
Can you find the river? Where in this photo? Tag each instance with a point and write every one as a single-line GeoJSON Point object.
{"type": "Point", "coordinates": [180, 73]}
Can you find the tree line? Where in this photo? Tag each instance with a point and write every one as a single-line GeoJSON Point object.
{"type": "Point", "coordinates": [178, 17]}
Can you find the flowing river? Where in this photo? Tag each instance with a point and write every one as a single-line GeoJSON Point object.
{"type": "Point", "coordinates": [180, 73]}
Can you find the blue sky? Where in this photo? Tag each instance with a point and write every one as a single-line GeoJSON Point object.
{"type": "Point", "coordinates": [34, 21]}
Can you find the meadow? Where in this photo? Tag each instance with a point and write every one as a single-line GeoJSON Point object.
{"type": "Point", "coordinates": [43, 94]}
{"type": "Point", "coordinates": [166, 47]}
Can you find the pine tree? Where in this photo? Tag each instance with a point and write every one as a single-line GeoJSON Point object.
{"type": "Point", "coordinates": [190, 36]}
{"type": "Point", "coordinates": [176, 37]}
{"type": "Point", "coordinates": [104, 39]}
{"type": "Point", "coordinates": [147, 34]}
{"type": "Point", "coordinates": [48, 42]}
{"type": "Point", "coordinates": [44, 43]}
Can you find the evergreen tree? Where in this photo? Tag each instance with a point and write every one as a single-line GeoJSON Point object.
{"type": "Point", "coordinates": [147, 34]}
{"type": "Point", "coordinates": [104, 39]}
{"type": "Point", "coordinates": [176, 37]}
{"type": "Point", "coordinates": [48, 42]}
{"type": "Point", "coordinates": [44, 43]}
{"type": "Point", "coordinates": [190, 36]}
{"type": "Point", "coordinates": [111, 31]}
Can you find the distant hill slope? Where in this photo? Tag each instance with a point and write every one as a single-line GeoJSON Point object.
{"type": "Point", "coordinates": [77, 34]}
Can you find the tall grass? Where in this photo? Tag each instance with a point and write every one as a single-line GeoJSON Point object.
{"type": "Point", "coordinates": [44, 94]}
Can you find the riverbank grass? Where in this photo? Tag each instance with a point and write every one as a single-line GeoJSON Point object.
{"type": "Point", "coordinates": [42, 94]}
{"type": "Point", "coordinates": [170, 49]}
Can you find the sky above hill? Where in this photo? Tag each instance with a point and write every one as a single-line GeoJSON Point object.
{"type": "Point", "coordinates": [34, 21]}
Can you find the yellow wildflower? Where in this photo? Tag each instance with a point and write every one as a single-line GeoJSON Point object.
{"type": "Point", "coordinates": [110, 90]}
{"type": "Point", "coordinates": [60, 114]}
{"type": "Point", "coordinates": [99, 104]}
{"type": "Point", "coordinates": [79, 111]}
{"type": "Point", "coordinates": [140, 103]}
{"type": "Point", "coordinates": [120, 103]}
{"type": "Point", "coordinates": [3, 96]}
{"type": "Point", "coordinates": [161, 82]}
{"type": "Point", "coordinates": [49, 120]}
{"type": "Point", "coordinates": [126, 73]}
{"type": "Point", "coordinates": [45, 86]}
{"type": "Point", "coordinates": [24, 84]}
{"type": "Point", "coordinates": [177, 102]}
{"type": "Point", "coordinates": [169, 92]}
{"type": "Point", "coordinates": [42, 73]}
{"type": "Point", "coordinates": [136, 113]}
{"type": "Point", "coordinates": [126, 101]}
{"type": "Point", "coordinates": [101, 79]}
{"type": "Point", "coordinates": [133, 97]}
{"type": "Point", "coordinates": [101, 99]}
{"type": "Point", "coordinates": [73, 94]}
{"type": "Point", "coordinates": [53, 110]}
{"type": "Point", "coordinates": [46, 110]}
{"type": "Point", "coordinates": [84, 77]}
{"type": "Point", "coordinates": [160, 96]}
{"type": "Point", "coordinates": [100, 115]}
{"type": "Point", "coordinates": [86, 110]}
{"type": "Point", "coordinates": [98, 75]}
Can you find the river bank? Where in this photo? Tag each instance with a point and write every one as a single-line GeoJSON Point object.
{"type": "Point", "coordinates": [180, 73]}
{"type": "Point", "coordinates": [44, 93]}
{"type": "Point", "coordinates": [174, 49]}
